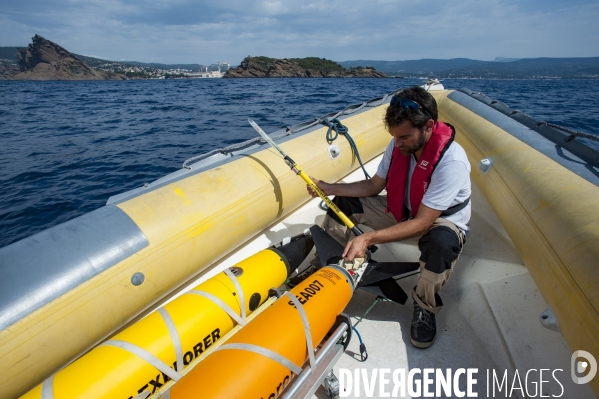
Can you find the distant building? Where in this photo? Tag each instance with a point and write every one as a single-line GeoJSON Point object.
{"type": "Point", "coordinates": [220, 66]}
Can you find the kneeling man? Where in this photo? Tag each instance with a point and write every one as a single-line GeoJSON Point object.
{"type": "Point", "coordinates": [427, 178]}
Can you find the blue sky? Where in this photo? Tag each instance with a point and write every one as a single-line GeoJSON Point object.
{"type": "Point", "coordinates": [188, 31]}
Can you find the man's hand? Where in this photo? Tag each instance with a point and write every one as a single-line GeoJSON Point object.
{"type": "Point", "coordinates": [356, 248]}
{"type": "Point", "coordinates": [362, 188]}
{"type": "Point", "coordinates": [423, 221]}
{"type": "Point", "coordinates": [321, 185]}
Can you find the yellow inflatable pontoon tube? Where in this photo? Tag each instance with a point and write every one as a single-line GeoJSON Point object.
{"type": "Point", "coordinates": [170, 231]}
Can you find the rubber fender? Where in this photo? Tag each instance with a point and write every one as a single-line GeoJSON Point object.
{"type": "Point", "coordinates": [113, 372]}
{"type": "Point", "coordinates": [236, 373]}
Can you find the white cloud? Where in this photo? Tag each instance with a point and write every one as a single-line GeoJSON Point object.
{"type": "Point", "coordinates": [187, 31]}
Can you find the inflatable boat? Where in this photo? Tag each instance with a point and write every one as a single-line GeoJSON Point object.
{"type": "Point", "coordinates": [525, 294]}
{"type": "Point", "coordinates": [104, 268]}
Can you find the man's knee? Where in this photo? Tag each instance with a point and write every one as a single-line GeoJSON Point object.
{"type": "Point", "coordinates": [439, 248]}
{"type": "Point", "coordinates": [347, 205]}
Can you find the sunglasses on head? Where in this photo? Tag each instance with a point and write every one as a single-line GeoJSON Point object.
{"type": "Point", "coordinates": [409, 105]}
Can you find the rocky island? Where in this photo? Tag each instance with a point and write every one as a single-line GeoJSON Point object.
{"type": "Point", "coordinates": [311, 67]}
{"type": "Point", "coordinates": [46, 60]}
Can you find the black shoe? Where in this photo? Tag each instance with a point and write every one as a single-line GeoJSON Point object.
{"type": "Point", "coordinates": [293, 281]}
{"type": "Point", "coordinates": [424, 327]}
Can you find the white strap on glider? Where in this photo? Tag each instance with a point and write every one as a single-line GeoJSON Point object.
{"type": "Point", "coordinates": [47, 388]}
{"type": "Point", "coordinates": [230, 274]}
{"type": "Point", "coordinates": [219, 302]}
{"type": "Point", "coordinates": [304, 317]}
{"type": "Point", "coordinates": [172, 330]}
{"type": "Point", "coordinates": [264, 352]}
{"type": "Point", "coordinates": [145, 355]}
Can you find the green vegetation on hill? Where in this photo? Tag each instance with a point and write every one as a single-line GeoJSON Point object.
{"type": "Point", "coordinates": [314, 63]}
{"type": "Point", "coordinates": [309, 67]}
{"type": "Point", "coordinates": [263, 61]}
{"type": "Point", "coordinates": [319, 64]}
{"type": "Point", "coordinates": [361, 67]}
{"type": "Point", "coordinates": [9, 53]}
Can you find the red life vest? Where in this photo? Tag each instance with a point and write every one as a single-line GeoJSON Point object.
{"type": "Point", "coordinates": [440, 140]}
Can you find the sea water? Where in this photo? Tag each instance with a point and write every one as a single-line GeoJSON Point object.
{"type": "Point", "coordinates": [66, 147]}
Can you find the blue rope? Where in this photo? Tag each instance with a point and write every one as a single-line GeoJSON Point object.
{"type": "Point", "coordinates": [363, 351]}
{"type": "Point", "coordinates": [336, 126]}
{"type": "Point", "coordinates": [340, 129]}
{"type": "Point", "coordinates": [356, 331]}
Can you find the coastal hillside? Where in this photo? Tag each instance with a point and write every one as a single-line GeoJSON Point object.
{"type": "Point", "coordinates": [530, 68]}
{"type": "Point", "coordinates": [9, 67]}
{"type": "Point", "coordinates": [8, 55]}
{"type": "Point", "coordinates": [46, 60]}
{"type": "Point", "coordinates": [414, 67]}
{"type": "Point", "coordinates": [501, 68]}
{"type": "Point", "coordinates": [311, 67]}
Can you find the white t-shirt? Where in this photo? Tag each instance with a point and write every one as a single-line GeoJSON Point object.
{"type": "Point", "coordinates": [450, 183]}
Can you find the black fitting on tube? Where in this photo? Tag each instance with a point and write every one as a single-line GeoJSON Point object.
{"type": "Point", "coordinates": [294, 253]}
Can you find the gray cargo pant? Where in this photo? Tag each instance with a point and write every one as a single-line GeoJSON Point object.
{"type": "Point", "coordinates": [439, 247]}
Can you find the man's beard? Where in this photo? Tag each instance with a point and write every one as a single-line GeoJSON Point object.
{"type": "Point", "coordinates": [419, 144]}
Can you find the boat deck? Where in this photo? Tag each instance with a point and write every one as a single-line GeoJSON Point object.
{"type": "Point", "coordinates": [490, 320]}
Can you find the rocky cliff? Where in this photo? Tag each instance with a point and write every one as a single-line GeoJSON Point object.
{"type": "Point", "coordinates": [264, 67]}
{"type": "Point", "coordinates": [46, 60]}
{"type": "Point", "coordinates": [8, 71]}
